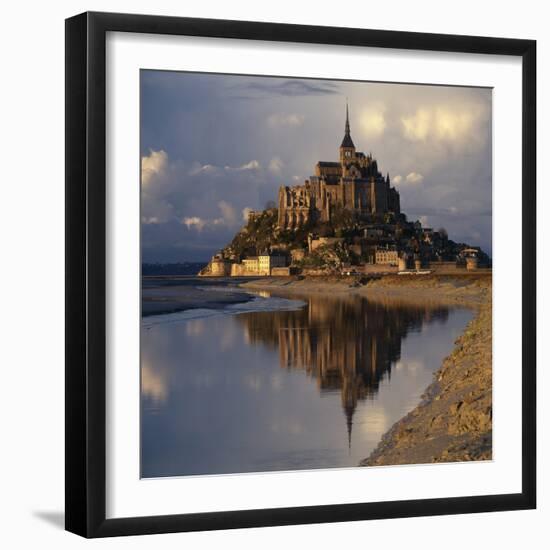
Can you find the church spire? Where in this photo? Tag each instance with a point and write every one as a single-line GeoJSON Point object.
{"type": "Point", "coordinates": [347, 118]}
{"type": "Point", "coordinates": [347, 141]}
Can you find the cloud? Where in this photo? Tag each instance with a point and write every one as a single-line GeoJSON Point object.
{"type": "Point", "coordinates": [155, 211]}
{"type": "Point", "coordinates": [228, 218]}
{"type": "Point", "coordinates": [446, 123]}
{"type": "Point", "coordinates": [417, 126]}
{"type": "Point", "coordinates": [278, 120]}
{"type": "Point", "coordinates": [453, 125]}
{"type": "Point", "coordinates": [229, 215]}
{"type": "Point", "coordinates": [152, 166]}
{"type": "Point", "coordinates": [414, 177]}
{"type": "Point", "coordinates": [372, 121]}
{"type": "Point", "coordinates": [204, 169]}
{"type": "Point", "coordinates": [275, 166]}
{"type": "Point", "coordinates": [213, 170]}
{"type": "Point", "coordinates": [194, 222]}
{"type": "Point", "coordinates": [411, 177]}
{"type": "Point", "coordinates": [252, 165]}
{"type": "Point", "coordinates": [155, 208]}
{"type": "Point", "coordinates": [191, 208]}
{"type": "Point", "coordinates": [291, 87]}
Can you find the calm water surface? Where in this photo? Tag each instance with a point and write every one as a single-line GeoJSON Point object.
{"type": "Point", "coordinates": [314, 385]}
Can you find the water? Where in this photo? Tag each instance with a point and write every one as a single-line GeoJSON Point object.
{"type": "Point", "coordinates": [285, 382]}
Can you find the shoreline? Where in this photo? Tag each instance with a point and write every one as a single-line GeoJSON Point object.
{"type": "Point", "coordinates": [453, 421]}
{"type": "Point", "coordinates": [176, 298]}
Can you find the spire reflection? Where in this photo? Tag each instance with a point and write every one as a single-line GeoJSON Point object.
{"type": "Point", "coordinates": [346, 344]}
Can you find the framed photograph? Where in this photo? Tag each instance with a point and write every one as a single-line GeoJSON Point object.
{"type": "Point", "coordinates": [300, 274]}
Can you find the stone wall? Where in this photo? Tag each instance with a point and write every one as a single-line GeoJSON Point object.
{"type": "Point", "coordinates": [216, 267]}
{"type": "Point", "coordinates": [238, 270]}
{"type": "Point", "coordinates": [220, 268]}
{"type": "Point", "coordinates": [283, 271]}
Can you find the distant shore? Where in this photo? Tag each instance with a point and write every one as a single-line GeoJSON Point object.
{"type": "Point", "coordinates": [453, 422]}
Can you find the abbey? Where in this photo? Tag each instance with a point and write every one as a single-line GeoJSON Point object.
{"type": "Point", "coordinates": [353, 183]}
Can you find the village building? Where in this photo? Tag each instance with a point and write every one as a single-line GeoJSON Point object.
{"type": "Point", "coordinates": [251, 263]}
{"type": "Point", "coordinates": [386, 256]}
{"type": "Point", "coordinates": [259, 265]}
{"type": "Point", "coordinates": [267, 262]}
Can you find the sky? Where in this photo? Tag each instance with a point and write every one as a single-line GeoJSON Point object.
{"type": "Point", "coordinates": [214, 146]}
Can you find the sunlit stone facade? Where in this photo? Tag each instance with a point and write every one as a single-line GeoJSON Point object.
{"type": "Point", "coordinates": [352, 183]}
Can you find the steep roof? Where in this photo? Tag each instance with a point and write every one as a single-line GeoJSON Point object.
{"type": "Point", "coordinates": [347, 141]}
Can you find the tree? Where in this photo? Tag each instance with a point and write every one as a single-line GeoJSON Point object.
{"type": "Point", "coordinates": [342, 218]}
{"type": "Point", "coordinates": [325, 230]}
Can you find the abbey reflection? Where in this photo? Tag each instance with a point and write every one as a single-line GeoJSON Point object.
{"type": "Point", "coordinates": [347, 344]}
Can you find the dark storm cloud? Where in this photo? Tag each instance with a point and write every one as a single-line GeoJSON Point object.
{"type": "Point", "coordinates": [291, 87]}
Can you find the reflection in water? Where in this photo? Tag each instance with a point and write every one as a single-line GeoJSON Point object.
{"type": "Point", "coordinates": [346, 343]}
{"type": "Point", "coordinates": [282, 390]}
{"type": "Point", "coordinates": [153, 386]}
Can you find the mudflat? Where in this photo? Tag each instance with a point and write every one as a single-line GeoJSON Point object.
{"type": "Point", "coordinates": [171, 295]}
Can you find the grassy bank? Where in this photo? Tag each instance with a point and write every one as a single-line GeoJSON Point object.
{"type": "Point", "coordinates": [453, 422]}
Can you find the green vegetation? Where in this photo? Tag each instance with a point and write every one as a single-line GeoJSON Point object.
{"type": "Point", "coordinates": [328, 256]}
{"type": "Point", "coordinates": [260, 234]}
{"type": "Point", "coordinates": [256, 236]}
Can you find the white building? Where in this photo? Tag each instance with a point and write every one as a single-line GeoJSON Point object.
{"type": "Point", "coordinates": [386, 256]}
{"type": "Point", "coordinates": [264, 263]}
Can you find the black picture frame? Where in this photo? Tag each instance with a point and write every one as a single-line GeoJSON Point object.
{"type": "Point", "coordinates": [86, 268]}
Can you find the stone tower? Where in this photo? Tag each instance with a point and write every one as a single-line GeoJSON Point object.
{"type": "Point", "coordinates": [347, 149]}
